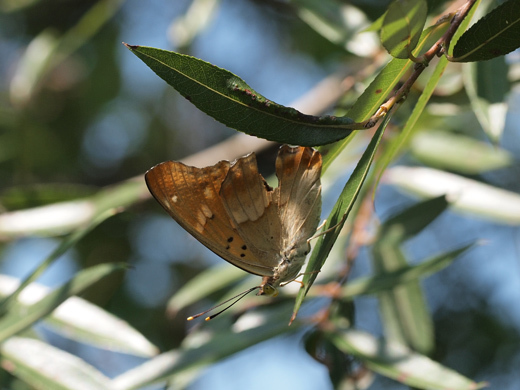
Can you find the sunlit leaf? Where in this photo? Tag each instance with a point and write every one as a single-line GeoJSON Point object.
{"type": "Point", "coordinates": [45, 367]}
{"type": "Point", "coordinates": [19, 316]}
{"type": "Point", "coordinates": [402, 26]}
{"type": "Point", "coordinates": [338, 215]}
{"type": "Point", "coordinates": [80, 320]}
{"type": "Point", "coordinates": [459, 153]}
{"type": "Point", "coordinates": [464, 194]}
{"type": "Point", "coordinates": [395, 361]}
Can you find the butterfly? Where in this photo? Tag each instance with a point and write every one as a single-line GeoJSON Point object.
{"type": "Point", "coordinates": [231, 209]}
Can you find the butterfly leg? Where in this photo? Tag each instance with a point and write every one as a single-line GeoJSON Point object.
{"type": "Point", "coordinates": [297, 276]}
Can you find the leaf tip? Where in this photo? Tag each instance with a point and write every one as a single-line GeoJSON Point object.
{"type": "Point", "coordinates": [131, 47]}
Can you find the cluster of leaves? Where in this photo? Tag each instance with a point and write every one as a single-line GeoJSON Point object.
{"type": "Point", "coordinates": [404, 353]}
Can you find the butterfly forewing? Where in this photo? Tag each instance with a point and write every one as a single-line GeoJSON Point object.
{"type": "Point", "coordinates": [191, 196]}
{"type": "Point", "coordinates": [248, 201]}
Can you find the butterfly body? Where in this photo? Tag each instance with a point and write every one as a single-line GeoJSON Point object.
{"type": "Point", "coordinates": [230, 209]}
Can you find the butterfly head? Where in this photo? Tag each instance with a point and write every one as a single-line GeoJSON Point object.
{"type": "Point", "coordinates": [267, 289]}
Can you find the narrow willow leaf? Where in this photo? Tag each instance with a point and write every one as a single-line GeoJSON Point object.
{"type": "Point", "coordinates": [487, 86]}
{"type": "Point", "coordinates": [402, 26]}
{"type": "Point", "coordinates": [64, 246]}
{"type": "Point", "coordinates": [338, 215]}
{"type": "Point", "coordinates": [459, 153]}
{"type": "Point", "coordinates": [496, 34]}
{"type": "Point", "coordinates": [464, 194]}
{"type": "Point", "coordinates": [404, 309]}
{"type": "Point", "coordinates": [20, 317]}
{"type": "Point", "coordinates": [399, 143]}
{"type": "Point", "coordinates": [80, 320]}
{"type": "Point", "coordinates": [43, 366]}
{"type": "Point", "coordinates": [210, 347]}
{"type": "Point", "coordinates": [227, 98]}
{"type": "Point", "coordinates": [389, 280]}
{"type": "Point", "coordinates": [205, 283]}
{"type": "Point", "coordinates": [399, 363]}
{"type": "Point", "coordinates": [340, 23]}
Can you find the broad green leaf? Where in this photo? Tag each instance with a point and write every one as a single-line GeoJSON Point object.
{"type": "Point", "coordinates": [459, 153]}
{"type": "Point", "coordinates": [496, 34]}
{"type": "Point", "coordinates": [463, 194]}
{"type": "Point", "coordinates": [338, 215]}
{"type": "Point", "coordinates": [387, 281]}
{"type": "Point", "coordinates": [399, 363]}
{"type": "Point", "coordinates": [64, 246]}
{"type": "Point", "coordinates": [402, 26]}
{"type": "Point", "coordinates": [228, 99]}
{"type": "Point", "coordinates": [404, 309]}
{"type": "Point", "coordinates": [205, 283]}
{"type": "Point", "coordinates": [20, 317]}
{"type": "Point", "coordinates": [80, 320]}
{"type": "Point", "coordinates": [397, 145]}
{"type": "Point", "coordinates": [43, 366]}
{"type": "Point", "coordinates": [209, 347]}
{"type": "Point", "coordinates": [487, 86]}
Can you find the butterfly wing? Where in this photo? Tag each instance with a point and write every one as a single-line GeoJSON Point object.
{"type": "Point", "coordinates": [191, 196]}
{"type": "Point", "coordinates": [248, 200]}
{"type": "Point", "coordinates": [298, 194]}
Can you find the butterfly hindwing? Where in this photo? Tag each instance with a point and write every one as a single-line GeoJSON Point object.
{"type": "Point", "coordinates": [299, 193]}
{"type": "Point", "coordinates": [192, 197]}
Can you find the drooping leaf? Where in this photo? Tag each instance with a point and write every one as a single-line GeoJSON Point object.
{"type": "Point", "coordinates": [387, 281]}
{"type": "Point", "coordinates": [227, 98]}
{"type": "Point", "coordinates": [459, 153]}
{"type": "Point", "coordinates": [20, 317]}
{"type": "Point", "coordinates": [404, 310]}
{"type": "Point", "coordinates": [395, 361]}
{"type": "Point", "coordinates": [496, 34]}
{"type": "Point", "coordinates": [338, 215]}
{"type": "Point", "coordinates": [46, 367]}
{"type": "Point", "coordinates": [464, 194]}
{"type": "Point", "coordinates": [487, 86]}
{"type": "Point", "coordinates": [80, 320]}
{"type": "Point", "coordinates": [402, 26]}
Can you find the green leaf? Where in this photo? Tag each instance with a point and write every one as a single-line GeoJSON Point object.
{"type": "Point", "coordinates": [404, 309]}
{"type": "Point", "coordinates": [20, 317]}
{"type": "Point", "coordinates": [464, 194]}
{"type": "Point", "coordinates": [396, 146]}
{"type": "Point", "coordinates": [227, 98]}
{"type": "Point", "coordinates": [64, 246]}
{"type": "Point", "coordinates": [340, 23]}
{"type": "Point", "coordinates": [399, 363]}
{"type": "Point", "coordinates": [402, 26]}
{"type": "Point", "coordinates": [379, 89]}
{"type": "Point", "coordinates": [487, 86]}
{"type": "Point", "coordinates": [205, 283]}
{"type": "Point", "coordinates": [387, 281]}
{"type": "Point", "coordinates": [80, 320]}
{"type": "Point", "coordinates": [338, 215]}
{"type": "Point", "coordinates": [209, 347]}
{"type": "Point", "coordinates": [496, 34]}
{"type": "Point", "coordinates": [43, 366]}
{"type": "Point", "coordinates": [459, 153]}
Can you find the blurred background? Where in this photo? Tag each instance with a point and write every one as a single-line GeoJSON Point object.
{"type": "Point", "coordinates": [78, 112]}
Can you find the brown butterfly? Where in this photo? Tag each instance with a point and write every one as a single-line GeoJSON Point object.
{"type": "Point", "coordinates": [231, 209]}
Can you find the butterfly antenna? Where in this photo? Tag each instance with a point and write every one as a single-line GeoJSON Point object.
{"type": "Point", "coordinates": [238, 297]}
